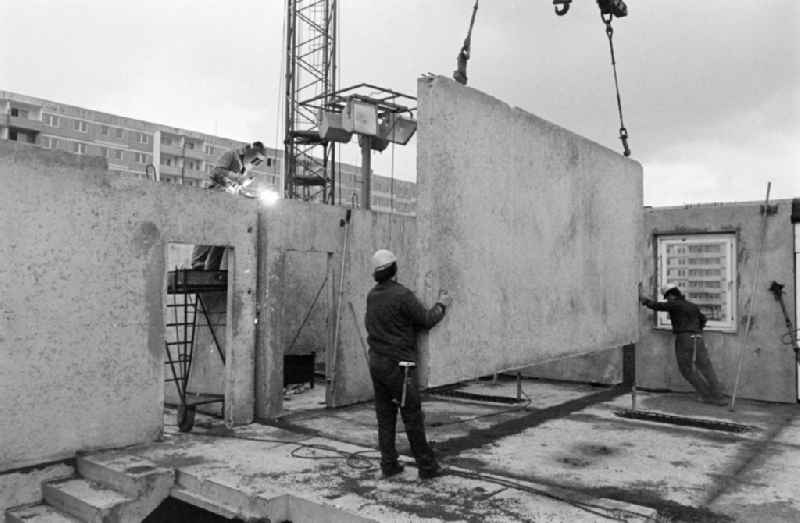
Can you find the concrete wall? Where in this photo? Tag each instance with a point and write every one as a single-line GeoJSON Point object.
{"type": "Point", "coordinates": [298, 240]}
{"type": "Point", "coordinates": [768, 371]}
{"type": "Point", "coordinates": [532, 228]}
{"type": "Point", "coordinates": [82, 285]}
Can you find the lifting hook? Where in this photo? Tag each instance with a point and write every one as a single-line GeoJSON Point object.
{"type": "Point", "coordinates": [561, 6]}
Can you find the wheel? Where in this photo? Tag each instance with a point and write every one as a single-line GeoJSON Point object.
{"type": "Point", "coordinates": [185, 417]}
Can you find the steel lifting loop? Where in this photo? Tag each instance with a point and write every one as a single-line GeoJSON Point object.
{"type": "Point", "coordinates": [561, 6]}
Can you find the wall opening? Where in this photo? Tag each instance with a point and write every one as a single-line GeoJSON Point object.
{"type": "Point", "coordinates": [196, 320]}
{"type": "Point", "coordinates": [307, 332]}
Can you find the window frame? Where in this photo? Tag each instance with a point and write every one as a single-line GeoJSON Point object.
{"type": "Point", "coordinates": [729, 241]}
{"type": "Point", "coordinates": [80, 126]}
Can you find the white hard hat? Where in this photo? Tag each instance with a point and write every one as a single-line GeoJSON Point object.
{"type": "Point", "coordinates": [670, 287]}
{"type": "Point", "coordinates": [382, 259]}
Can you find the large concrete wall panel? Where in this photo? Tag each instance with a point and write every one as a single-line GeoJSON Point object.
{"type": "Point", "coordinates": [82, 282]}
{"type": "Point", "coordinates": [533, 229]}
{"type": "Point", "coordinates": [291, 231]}
{"type": "Point", "coordinates": [768, 365]}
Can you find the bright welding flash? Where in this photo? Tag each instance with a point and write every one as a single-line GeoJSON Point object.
{"type": "Point", "coordinates": [268, 196]}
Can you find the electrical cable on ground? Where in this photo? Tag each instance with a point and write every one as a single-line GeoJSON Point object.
{"type": "Point", "coordinates": [357, 460]}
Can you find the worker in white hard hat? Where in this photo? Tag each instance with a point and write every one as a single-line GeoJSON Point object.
{"type": "Point", "coordinates": [232, 174]}
{"type": "Point", "coordinates": [394, 318]}
{"type": "Point", "coordinates": [688, 323]}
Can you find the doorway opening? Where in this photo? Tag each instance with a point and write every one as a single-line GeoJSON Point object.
{"type": "Point", "coordinates": [308, 291]}
{"type": "Point", "coordinates": [196, 319]}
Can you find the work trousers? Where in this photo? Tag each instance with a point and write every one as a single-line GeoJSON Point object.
{"type": "Point", "coordinates": [387, 381]}
{"type": "Point", "coordinates": [695, 365]}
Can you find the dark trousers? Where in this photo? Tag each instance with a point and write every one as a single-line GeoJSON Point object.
{"type": "Point", "coordinates": [695, 366]}
{"type": "Point", "coordinates": [387, 380]}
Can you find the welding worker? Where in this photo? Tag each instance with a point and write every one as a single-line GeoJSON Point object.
{"type": "Point", "coordinates": [688, 323]}
{"type": "Point", "coordinates": [394, 317]}
{"type": "Point", "coordinates": [230, 174]}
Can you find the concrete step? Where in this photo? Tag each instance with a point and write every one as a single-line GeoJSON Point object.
{"type": "Point", "coordinates": [38, 514]}
{"type": "Point", "coordinates": [132, 475]}
{"type": "Point", "coordinates": [87, 501]}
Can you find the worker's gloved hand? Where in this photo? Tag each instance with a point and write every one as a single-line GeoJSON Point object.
{"type": "Point", "coordinates": [444, 298]}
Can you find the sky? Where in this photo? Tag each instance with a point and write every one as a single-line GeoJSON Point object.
{"type": "Point", "coordinates": [710, 90]}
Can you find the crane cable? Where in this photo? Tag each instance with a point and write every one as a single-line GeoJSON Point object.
{"type": "Point", "coordinates": [623, 132]}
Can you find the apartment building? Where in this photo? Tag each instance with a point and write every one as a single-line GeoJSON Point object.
{"type": "Point", "coordinates": [171, 154]}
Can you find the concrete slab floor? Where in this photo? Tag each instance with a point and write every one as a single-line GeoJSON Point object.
{"type": "Point", "coordinates": [507, 458]}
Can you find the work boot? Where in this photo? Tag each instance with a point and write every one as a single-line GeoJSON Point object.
{"type": "Point", "coordinates": [432, 473]}
{"type": "Point", "coordinates": [394, 470]}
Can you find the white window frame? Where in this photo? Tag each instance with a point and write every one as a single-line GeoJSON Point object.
{"type": "Point", "coordinates": [80, 126]}
{"type": "Point", "coordinates": [728, 241]}
{"type": "Point", "coordinates": [208, 148]}
{"type": "Point", "coordinates": [140, 157]}
{"type": "Point", "coordinates": [143, 139]}
{"type": "Point", "coordinates": [78, 147]}
{"type": "Point", "coordinates": [50, 120]}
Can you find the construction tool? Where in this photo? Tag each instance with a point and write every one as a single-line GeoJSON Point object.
{"type": "Point", "coordinates": [790, 338]}
{"type": "Point", "coordinates": [345, 223]}
{"type": "Point", "coordinates": [748, 314]}
{"type": "Point", "coordinates": [406, 365]}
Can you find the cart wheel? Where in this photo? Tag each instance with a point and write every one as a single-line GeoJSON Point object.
{"type": "Point", "coordinates": [185, 417]}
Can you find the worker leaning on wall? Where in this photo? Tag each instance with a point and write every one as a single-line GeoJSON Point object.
{"type": "Point", "coordinates": [232, 174]}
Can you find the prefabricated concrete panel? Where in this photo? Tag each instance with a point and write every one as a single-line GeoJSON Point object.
{"type": "Point", "coordinates": [533, 230]}
{"type": "Point", "coordinates": [290, 231]}
{"type": "Point", "coordinates": [768, 363]}
{"type": "Point", "coordinates": [82, 285]}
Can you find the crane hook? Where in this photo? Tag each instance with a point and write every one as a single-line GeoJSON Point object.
{"type": "Point", "coordinates": [561, 6]}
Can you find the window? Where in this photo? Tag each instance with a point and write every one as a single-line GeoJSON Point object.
{"type": "Point", "coordinates": [80, 126]}
{"type": "Point", "coordinates": [104, 130]}
{"type": "Point", "coordinates": [208, 148]}
{"type": "Point", "coordinates": [49, 142]}
{"type": "Point", "coordinates": [78, 148]}
{"type": "Point", "coordinates": [710, 280]}
{"type": "Point", "coordinates": [117, 154]}
{"type": "Point", "coordinates": [119, 132]}
{"type": "Point", "coordinates": [50, 120]}
{"type": "Point", "coordinates": [166, 140]}
{"type": "Point", "coordinates": [142, 138]}
{"type": "Point", "coordinates": [19, 113]}
{"type": "Point", "coordinates": [189, 144]}
{"type": "Point", "coordinates": [141, 158]}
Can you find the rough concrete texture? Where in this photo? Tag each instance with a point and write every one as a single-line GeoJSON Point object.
{"type": "Point", "coordinates": [534, 230]}
{"type": "Point", "coordinates": [769, 369]}
{"type": "Point", "coordinates": [258, 471]}
{"type": "Point", "coordinates": [296, 241]}
{"type": "Point", "coordinates": [83, 278]}
{"type": "Point", "coordinates": [25, 487]}
{"type": "Point", "coordinates": [597, 367]}
{"type": "Point", "coordinates": [569, 437]}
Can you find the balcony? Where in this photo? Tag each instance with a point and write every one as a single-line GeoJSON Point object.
{"type": "Point", "coordinates": [21, 122]}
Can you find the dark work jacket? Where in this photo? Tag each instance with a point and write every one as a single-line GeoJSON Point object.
{"type": "Point", "coordinates": [394, 317]}
{"type": "Point", "coordinates": [684, 315]}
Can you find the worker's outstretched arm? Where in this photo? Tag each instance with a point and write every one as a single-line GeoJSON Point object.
{"type": "Point", "coordinates": [657, 305]}
{"type": "Point", "coordinates": [424, 318]}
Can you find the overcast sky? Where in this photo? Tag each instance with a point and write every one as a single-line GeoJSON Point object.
{"type": "Point", "coordinates": [710, 90]}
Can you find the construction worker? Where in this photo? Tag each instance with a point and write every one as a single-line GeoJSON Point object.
{"type": "Point", "coordinates": [231, 174]}
{"type": "Point", "coordinates": [394, 317]}
{"type": "Point", "coordinates": [690, 348]}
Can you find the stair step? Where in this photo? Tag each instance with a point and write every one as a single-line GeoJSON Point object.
{"type": "Point", "coordinates": [130, 474]}
{"type": "Point", "coordinates": [38, 514]}
{"type": "Point", "coordinates": [83, 499]}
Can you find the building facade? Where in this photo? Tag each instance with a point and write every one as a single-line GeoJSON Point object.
{"type": "Point", "coordinates": [170, 154]}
